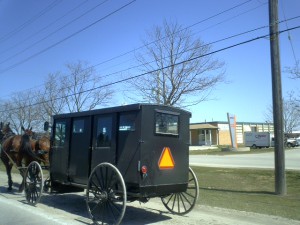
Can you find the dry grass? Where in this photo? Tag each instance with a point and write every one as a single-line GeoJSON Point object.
{"type": "Point", "coordinates": [249, 190]}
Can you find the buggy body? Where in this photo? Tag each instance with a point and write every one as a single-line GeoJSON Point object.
{"type": "Point", "coordinates": [148, 144]}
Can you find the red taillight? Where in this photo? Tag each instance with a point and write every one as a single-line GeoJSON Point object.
{"type": "Point", "coordinates": [144, 169]}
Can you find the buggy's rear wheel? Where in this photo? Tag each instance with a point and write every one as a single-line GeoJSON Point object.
{"type": "Point", "coordinates": [106, 195]}
{"type": "Point", "coordinates": [33, 183]}
{"type": "Point", "coordinates": [183, 202]}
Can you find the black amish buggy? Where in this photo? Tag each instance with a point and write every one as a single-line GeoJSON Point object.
{"type": "Point", "coordinates": [125, 153]}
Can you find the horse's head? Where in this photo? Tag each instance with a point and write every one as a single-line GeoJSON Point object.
{"type": "Point", "coordinates": [6, 129]}
{"type": "Point", "coordinates": [28, 131]}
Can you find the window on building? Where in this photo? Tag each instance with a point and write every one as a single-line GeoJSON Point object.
{"type": "Point", "coordinates": [254, 129]}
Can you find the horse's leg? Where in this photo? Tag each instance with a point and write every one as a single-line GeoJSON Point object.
{"type": "Point", "coordinates": [8, 167]}
{"type": "Point", "coordinates": [21, 170]}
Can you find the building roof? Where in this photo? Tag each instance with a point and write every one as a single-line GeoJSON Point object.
{"type": "Point", "coordinates": [202, 126]}
{"type": "Point", "coordinates": [237, 122]}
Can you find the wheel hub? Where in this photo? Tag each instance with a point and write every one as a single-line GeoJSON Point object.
{"type": "Point", "coordinates": [103, 196]}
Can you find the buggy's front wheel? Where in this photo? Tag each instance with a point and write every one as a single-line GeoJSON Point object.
{"type": "Point", "coordinates": [33, 183]}
{"type": "Point", "coordinates": [183, 202]}
{"type": "Point", "coordinates": [106, 195]}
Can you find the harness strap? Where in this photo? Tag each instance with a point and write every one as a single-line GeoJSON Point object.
{"type": "Point", "coordinates": [11, 160]}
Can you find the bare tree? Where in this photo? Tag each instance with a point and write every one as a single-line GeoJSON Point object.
{"type": "Point", "coordinates": [22, 111]}
{"type": "Point", "coordinates": [179, 69]}
{"type": "Point", "coordinates": [291, 113]}
{"type": "Point", "coordinates": [294, 71]}
{"type": "Point", "coordinates": [82, 88]}
{"type": "Point", "coordinates": [52, 97]}
{"type": "Point", "coordinates": [4, 115]}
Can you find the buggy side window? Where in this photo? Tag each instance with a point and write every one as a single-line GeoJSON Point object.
{"type": "Point", "coordinates": [166, 123]}
{"type": "Point", "coordinates": [60, 134]}
{"type": "Point", "coordinates": [104, 131]}
{"type": "Point", "coordinates": [127, 122]}
{"type": "Point", "coordinates": [78, 126]}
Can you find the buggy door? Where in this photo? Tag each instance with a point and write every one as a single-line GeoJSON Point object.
{"type": "Point", "coordinates": [79, 163]}
{"type": "Point", "coordinates": [59, 153]}
{"type": "Point", "coordinates": [129, 145]}
{"type": "Point", "coordinates": [104, 139]}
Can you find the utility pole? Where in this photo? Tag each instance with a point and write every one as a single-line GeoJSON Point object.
{"type": "Point", "coordinates": [280, 181]}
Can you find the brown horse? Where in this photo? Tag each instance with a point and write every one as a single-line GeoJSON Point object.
{"type": "Point", "coordinates": [41, 147]}
{"type": "Point", "coordinates": [15, 149]}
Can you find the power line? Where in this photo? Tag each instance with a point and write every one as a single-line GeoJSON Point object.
{"type": "Point", "coordinates": [30, 21]}
{"type": "Point", "coordinates": [44, 28]}
{"type": "Point", "coordinates": [54, 32]}
{"type": "Point", "coordinates": [51, 46]}
{"type": "Point", "coordinates": [213, 42]}
{"type": "Point", "coordinates": [150, 43]}
{"type": "Point", "coordinates": [289, 35]}
{"type": "Point", "coordinates": [213, 16]}
{"type": "Point", "coordinates": [137, 66]}
{"type": "Point", "coordinates": [156, 70]}
{"type": "Point", "coordinates": [66, 38]}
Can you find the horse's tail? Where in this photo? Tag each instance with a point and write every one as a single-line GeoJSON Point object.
{"type": "Point", "coordinates": [1, 151]}
{"type": "Point", "coordinates": [25, 147]}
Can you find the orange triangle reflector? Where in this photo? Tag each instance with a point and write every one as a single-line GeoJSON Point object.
{"type": "Point", "coordinates": [166, 160]}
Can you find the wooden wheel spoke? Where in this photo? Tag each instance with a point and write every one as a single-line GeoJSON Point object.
{"type": "Point", "coordinates": [174, 201]}
{"type": "Point", "coordinates": [95, 186]}
{"type": "Point", "coordinates": [169, 199]}
{"type": "Point", "coordinates": [112, 210]}
{"type": "Point", "coordinates": [99, 180]}
{"type": "Point", "coordinates": [33, 183]}
{"type": "Point", "coordinates": [97, 205]}
{"type": "Point", "coordinates": [192, 196]}
{"type": "Point", "coordinates": [183, 202]}
{"type": "Point", "coordinates": [106, 207]}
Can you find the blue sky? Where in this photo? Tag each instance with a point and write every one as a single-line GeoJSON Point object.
{"type": "Point", "coordinates": [247, 94]}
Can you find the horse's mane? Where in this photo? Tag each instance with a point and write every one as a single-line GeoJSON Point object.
{"type": "Point", "coordinates": [25, 146]}
{"type": "Point", "coordinates": [6, 132]}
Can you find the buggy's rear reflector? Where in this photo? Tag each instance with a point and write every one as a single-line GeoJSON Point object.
{"type": "Point", "coordinates": [166, 160]}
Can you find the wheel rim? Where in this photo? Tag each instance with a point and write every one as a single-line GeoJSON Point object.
{"type": "Point", "coordinates": [106, 195]}
{"type": "Point", "coordinates": [183, 202]}
{"type": "Point", "coordinates": [33, 183]}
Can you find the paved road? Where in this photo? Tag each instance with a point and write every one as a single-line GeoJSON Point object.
{"type": "Point", "coordinates": [262, 160]}
{"type": "Point", "coordinates": [70, 209]}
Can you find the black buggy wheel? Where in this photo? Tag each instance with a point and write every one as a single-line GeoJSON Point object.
{"type": "Point", "coordinates": [33, 183]}
{"type": "Point", "coordinates": [106, 195]}
{"type": "Point", "coordinates": [183, 202]}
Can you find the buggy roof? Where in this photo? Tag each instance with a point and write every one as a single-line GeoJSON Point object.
{"type": "Point", "coordinates": [123, 108]}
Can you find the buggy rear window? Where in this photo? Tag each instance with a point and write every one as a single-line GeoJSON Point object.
{"type": "Point", "coordinates": [166, 123]}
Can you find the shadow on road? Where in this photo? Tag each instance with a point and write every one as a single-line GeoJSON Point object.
{"type": "Point", "coordinates": [75, 204]}
{"type": "Point", "coordinates": [14, 191]}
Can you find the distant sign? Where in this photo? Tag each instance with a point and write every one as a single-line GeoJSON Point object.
{"type": "Point", "coordinates": [232, 129]}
